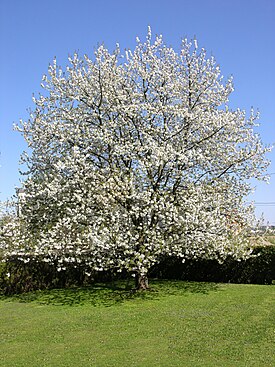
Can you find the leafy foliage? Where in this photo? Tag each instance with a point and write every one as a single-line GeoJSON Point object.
{"type": "Point", "coordinates": [17, 277]}
{"type": "Point", "coordinates": [258, 269]}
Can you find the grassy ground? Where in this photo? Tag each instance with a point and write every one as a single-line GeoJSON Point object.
{"type": "Point", "coordinates": [174, 324]}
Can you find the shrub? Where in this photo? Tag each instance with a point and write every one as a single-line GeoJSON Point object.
{"type": "Point", "coordinates": [18, 277]}
{"type": "Point", "coordinates": [259, 269]}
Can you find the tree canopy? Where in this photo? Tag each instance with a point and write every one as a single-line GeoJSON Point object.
{"type": "Point", "coordinates": [136, 155]}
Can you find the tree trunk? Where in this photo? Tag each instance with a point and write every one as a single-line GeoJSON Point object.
{"type": "Point", "coordinates": [141, 282]}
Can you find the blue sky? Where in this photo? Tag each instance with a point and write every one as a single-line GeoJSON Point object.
{"type": "Point", "coordinates": [239, 33]}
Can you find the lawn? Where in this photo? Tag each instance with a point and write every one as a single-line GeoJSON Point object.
{"type": "Point", "coordinates": [174, 324]}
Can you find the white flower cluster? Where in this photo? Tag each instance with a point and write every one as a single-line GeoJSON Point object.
{"type": "Point", "coordinates": [136, 156]}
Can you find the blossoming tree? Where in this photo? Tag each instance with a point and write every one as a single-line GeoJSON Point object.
{"type": "Point", "coordinates": [134, 156]}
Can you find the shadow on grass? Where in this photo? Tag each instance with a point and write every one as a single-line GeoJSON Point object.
{"type": "Point", "coordinates": [109, 294]}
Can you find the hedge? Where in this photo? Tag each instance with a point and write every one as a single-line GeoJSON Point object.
{"type": "Point", "coordinates": [18, 277]}
{"type": "Point", "coordinates": [259, 269]}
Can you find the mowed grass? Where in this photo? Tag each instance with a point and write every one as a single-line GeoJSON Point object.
{"type": "Point", "coordinates": [174, 324]}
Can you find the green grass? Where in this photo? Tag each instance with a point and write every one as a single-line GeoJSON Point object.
{"type": "Point", "coordinates": [174, 324]}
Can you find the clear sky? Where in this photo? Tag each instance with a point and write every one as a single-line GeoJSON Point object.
{"type": "Point", "coordinates": [239, 33]}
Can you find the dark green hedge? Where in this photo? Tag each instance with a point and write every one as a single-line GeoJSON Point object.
{"type": "Point", "coordinates": [256, 270]}
{"type": "Point", "coordinates": [17, 277]}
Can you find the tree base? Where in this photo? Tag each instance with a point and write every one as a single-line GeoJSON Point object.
{"type": "Point", "coordinates": [141, 282]}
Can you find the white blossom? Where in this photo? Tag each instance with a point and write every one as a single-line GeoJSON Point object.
{"type": "Point", "coordinates": [133, 157]}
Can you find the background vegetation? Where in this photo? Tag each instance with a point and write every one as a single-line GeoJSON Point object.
{"type": "Point", "coordinates": [18, 277]}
